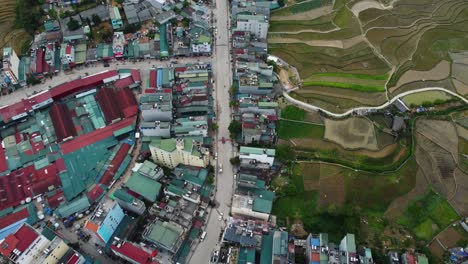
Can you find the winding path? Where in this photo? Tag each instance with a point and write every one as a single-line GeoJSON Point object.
{"type": "Point", "coordinates": [364, 108]}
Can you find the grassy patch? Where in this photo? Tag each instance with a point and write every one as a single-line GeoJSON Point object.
{"type": "Point", "coordinates": [352, 86]}
{"type": "Point", "coordinates": [322, 23]}
{"type": "Point", "coordinates": [293, 112]}
{"type": "Point", "coordinates": [427, 214]}
{"type": "Point", "coordinates": [291, 129]}
{"type": "Point", "coordinates": [429, 96]}
{"type": "Point", "coordinates": [352, 75]}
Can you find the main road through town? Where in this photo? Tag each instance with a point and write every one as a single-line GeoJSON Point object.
{"type": "Point", "coordinates": [224, 181]}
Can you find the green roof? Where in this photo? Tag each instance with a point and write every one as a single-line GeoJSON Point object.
{"type": "Point", "coordinates": [267, 104]}
{"type": "Point", "coordinates": [267, 249]}
{"type": "Point", "coordinates": [165, 233]}
{"type": "Point", "coordinates": [163, 47]}
{"type": "Point", "coordinates": [422, 260]}
{"type": "Point", "coordinates": [151, 170]}
{"type": "Point", "coordinates": [257, 151]}
{"type": "Point", "coordinates": [124, 130]}
{"type": "Point", "coordinates": [48, 233]}
{"type": "Point", "coordinates": [246, 255]}
{"type": "Point", "coordinates": [350, 243]}
{"type": "Point", "coordinates": [262, 205]}
{"type": "Point", "coordinates": [75, 206]}
{"type": "Point", "coordinates": [168, 145]}
{"type": "Point", "coordinates": [175, 189]}
{"type": "Point", "coordinates": [123, 195]}
{"type": "Point", "coordinates": [144, 186]}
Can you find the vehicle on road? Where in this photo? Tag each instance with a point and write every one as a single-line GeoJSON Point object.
{"type": "Point", "coordinates": [220, 218]}
{"type": "Point", "coordinates": [220, 168]}
{"type": "Point", "coordinates": [223, 140]}
{"type": "Point", "coordinates": [203, 235]}
{"type": "Point", "coordinates": [216, 155]}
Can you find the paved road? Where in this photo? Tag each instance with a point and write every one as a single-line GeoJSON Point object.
{"type": "Point", "coordinates": [224, 181]}
{"type": "Point", "coordinates": [363, 108]}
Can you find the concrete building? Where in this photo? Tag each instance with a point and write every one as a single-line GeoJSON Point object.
{"type": "Point", "coordinates": [317, 248]}
{"type": "Point", "coordinates": [129, 202]}
{"type": "Point", "coordinates": [257, 155]}
{"type": "Point", "coordinates": [156, 107]}
{"type": "Point", "coordinates": [348, 248]}
{"type": "Point", "coordinates": [191, 126]}
{"type": "Point", "coordinates": [255, 24]}
{"type": "Point", "coordinates": [116, 19]}
{"type": "Point", "coordinates": [174, 151]}
{"type": "Point", "coordinates": [11, 64]}
{"type": "Point", "coordinates": [27, 245]}
{"type": "Point", "coordinates": [251, 207]}
{"type": "Point", "coordinates": [132, 253]}
{"type": "Point", "coordinates": [165, 235]}
{"type": "Point", "coordinates": [104, 222]}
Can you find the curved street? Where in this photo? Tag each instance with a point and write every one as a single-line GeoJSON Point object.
{"type": "Point", "coordinates": [365, 108]}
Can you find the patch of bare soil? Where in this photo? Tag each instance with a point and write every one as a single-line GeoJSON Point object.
{"type": "Point", "coordinates": [460, 87]}
{"type": "Point", "coordinates": [351, 133]}
{"type": "Point", "coordinates": [340, 44]}
{"type": "Point", "coordinates": [398, 206]}
{"type": "Point", "coordinates": [439, 72]}
{"type": "Point", "coordinates": [364, 5]}
{"type": "Point", "coordinates": [313, 117]}
{"type": "Point", "coordinates": [459, 201]}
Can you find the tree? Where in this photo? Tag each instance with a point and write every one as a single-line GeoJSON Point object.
{"type": "Point", "coordinates": [285, 153]}
{"type": "Point", "coordinates": [131, 28]}
{"type": "Point", "coordinates": [176, 10]}
{"type": "Point", "coordinates": [96, 19]}
{"type": "Point", "coordinates": [235, 161]}
{"type": "Point", "coordinates": [232, 89]}
{"type": "Point", "coordinates": [214, 126]}
{"type": "Point", "coordinates": [210, 179]}
{"type": "Point", "coordinates": [185, 4]}
{"type": "Point", "coordinates": [119, 1]}
{"type": "Point", "coordinates": [235, 128]}
{"type": "Point", "coordinates": [73, 24]}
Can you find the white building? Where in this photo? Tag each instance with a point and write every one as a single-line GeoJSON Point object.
{"type": "Point", "coordinates": [11, 65]}
{"type": "Point", "coordinates": [259, 155]}
{"type": "Point", "coordinates": [244, 206]}
{"type": "Point", "coordinates": [255, 24]}
{"type": "Point", "coordinates": [172, 152]}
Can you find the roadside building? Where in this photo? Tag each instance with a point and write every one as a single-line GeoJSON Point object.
{"type": "Point", "coordinates": [257, 155]}
{"type": "Point", "coordinates": [11, 65]}
{"type": "Point", "coordinates": [251, 207]}
{"type": "Point", "coordinates": [348, 247]}
{"type": "Point", "coordinates": [174, 151]}
{"type": "Point", "coordinates": [317, 248]}
{"type": "Point", "coordinates": [118, 44]}
{"type": "Point", "coordinates": [99, 11]}
{"type": "Point", "coordinates": [156, 107]}
{"type": "Point", "coordinates": [255, 24]}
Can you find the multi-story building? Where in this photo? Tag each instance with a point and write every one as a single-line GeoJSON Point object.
{"type": "Point", "coordinates": [165, 235]}
{"type": "Point", "coordinates": [132, 253]}
{"type": "Point", "coordinates": [255, 24]}
{"type": "Point", "coordinates": [174, 151]}
{"type": "Point", "coordinates": [259, 155]}
{"type": "Point", "coordinates": [129, 202]}
{"type": "Point", "coordinates": [116, 19]}
{"type": "Point", "coordinates": [317, 248]}
{"type": "Point", "coordinates": [156, 107]}
{"type": "Point", "coordinates": [11, 64]}
{"type": "Point", "coordinates": [348, 248]}
{"type": "Point", "coordinates": [250, 206]}
{"type": "Point", "coordinates": [104, 222]}
{"type": "Point", "coordinates": [27, 246]}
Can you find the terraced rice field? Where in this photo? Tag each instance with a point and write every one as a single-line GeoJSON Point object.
{"type": "Point", "coordinates": [430, 96]}
{"type": "Point", "coordinates": [9, 36]}
{"type": "Point", "coordinates": [372, 46]}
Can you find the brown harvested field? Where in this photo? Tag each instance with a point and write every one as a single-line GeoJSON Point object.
{"type": "Point", "coordinates": [459, 72]}
{"type": "Point", "coordinates": [361, 97]}
{"type": "Point", "coordinates": [308, 15]}
{"type": "Point", "coordinates": [399, 205]}
{"type": "Point", "coordinates": [436, 249]}
{"type": "Point", "coordinates": [442, 133]}
{"type": "Point", "coordinates": [311, 176]}
{"type": "Point", "coordinates": [313, 117]}
{"type": "Point", "coordinates": [366, 4]}
{"type": "Point", "coordinates": [459, 201]}
{"type": "Point", "coordinates": [439, 72]}
{"type": "Point", "coordinates": [351, 133]}
{"type": "Point", "coordinates": [340, 44]}
{"type": "Point", "coordinates": [460, 87]}
{"type": "Point", "coordinates": [462, 132]}
{"type": "Point", "coordinates": [332, 187]}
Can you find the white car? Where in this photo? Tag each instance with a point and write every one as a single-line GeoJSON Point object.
{"type": "Point", "coordinates": [220, 218]}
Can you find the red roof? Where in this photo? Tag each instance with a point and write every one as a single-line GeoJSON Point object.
{"type": "Point", "coordinates": [10, 111]}
{"type": "Point", "coordinates": [55, 200]}
{"type": "Point", "coordinates": [39, 98]}
{"type": "Point", "coordinates": [12, 218]}
{"type": "Point", "coordinates": [3, 162]}
{"type": "Point", "coordinates": [123, 83]}
{"type": "Point", "coordinates": [248, 125]}
{"type": "Point", "coordinates": [73, 258]}
{"type": "Point", "coordinates": [150, 90]}
{"type": "Point", "coordinates": [16, 186]}
{"type": "Point", "coordinates": [26, 235]}
{"type": "Point", "coordinates": [7, 246]}
{"type": "Point", "coordinates": [68, 49]}
{"type": "Point", "coordinates": [39, 60]}
{"type": "Point", "coordinates": [115, 164]}
{"type": "Point", "coordinates": [136, 75]}
{"type": "Point", "coordinates": [180, 69]}
{"type": "Point", "coordinates": [81, 84]}
{"type": "Point", "coordinates": [95, 136]}
{"type": "Point", "coordinates": [94, 194]}
{"type": "Point", "coordinates": [315, 257]}
{"type": "Point", "coordinates": [153, 77]}
{"type": "Point", "coordinates": [63, 124]}
{"type": "Point", "coordinates": [106, 98]}
{"type": "Point", "coordinates": [133, 252]}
